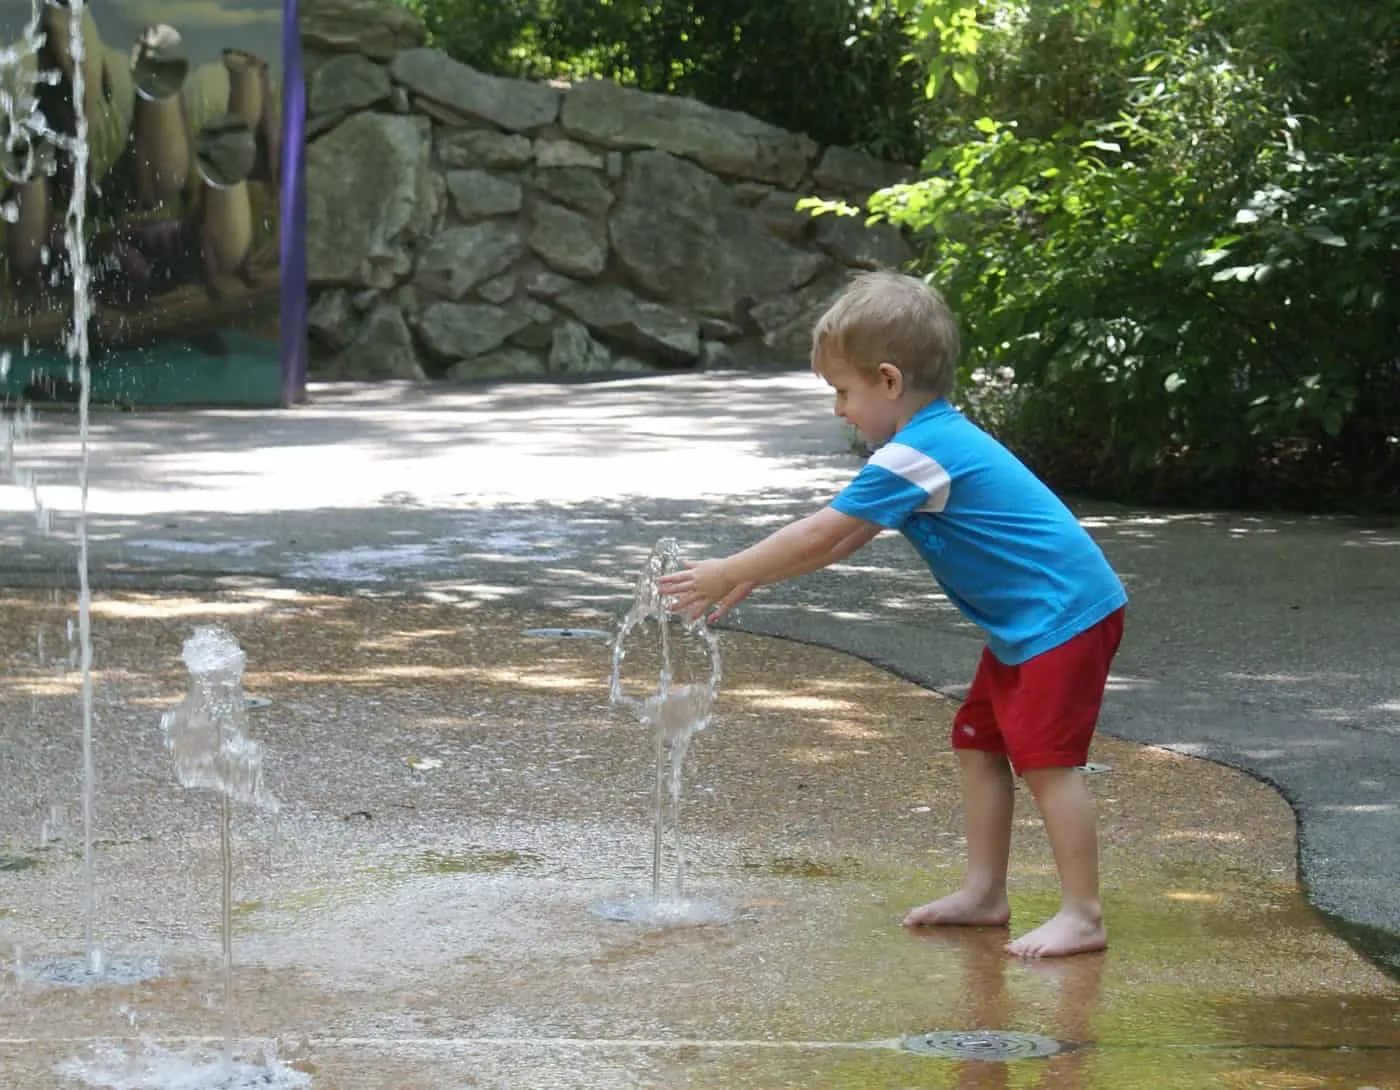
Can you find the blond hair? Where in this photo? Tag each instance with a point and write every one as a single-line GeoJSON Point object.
{"type": "Point", "coordinates": [887, 317]}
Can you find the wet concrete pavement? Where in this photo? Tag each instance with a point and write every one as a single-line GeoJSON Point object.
{"type": "Point", "coordinates": [457, 796]}
{"type": "Point", "coordinates": [1271, 644]}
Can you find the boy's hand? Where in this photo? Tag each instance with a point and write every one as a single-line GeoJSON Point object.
{"type": "Point", "coordinates": [732, 599]}
{"type": "Point", "coordinates": [700, 586]}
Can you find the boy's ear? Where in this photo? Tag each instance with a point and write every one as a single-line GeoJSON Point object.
{"type": "Point", "coordinates": [892, 378]}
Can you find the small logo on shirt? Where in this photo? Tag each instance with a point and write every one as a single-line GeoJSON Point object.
{"type": "Point", "coordinates": [921, 533]}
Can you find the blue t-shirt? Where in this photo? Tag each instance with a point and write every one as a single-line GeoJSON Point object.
{"type": "Point", "coordinates": [1001, 545]}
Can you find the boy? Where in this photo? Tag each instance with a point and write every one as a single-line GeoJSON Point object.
{"type": "Point", "coordinates": [1006, 552]}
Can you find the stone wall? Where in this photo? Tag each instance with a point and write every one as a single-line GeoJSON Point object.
{"type": "Point", "coordinates": [463, 226]}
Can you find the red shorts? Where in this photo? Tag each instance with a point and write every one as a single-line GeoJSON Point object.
{"type": "Point", "coordinates": [1042, 713]}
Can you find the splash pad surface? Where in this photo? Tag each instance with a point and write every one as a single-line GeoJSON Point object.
{"type": "Point", "coordinates": [457, 795]}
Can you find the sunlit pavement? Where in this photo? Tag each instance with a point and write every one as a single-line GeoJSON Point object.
{"type": "Point", "coordinates": [1269, 644]}
{"type": "Point", "coordinates": [457, 796]}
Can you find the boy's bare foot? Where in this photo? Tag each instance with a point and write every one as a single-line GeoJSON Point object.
{"type": "Point", "coordinates": [1063, 934]}
{"type": "Point", "coordinates": [962, 908]}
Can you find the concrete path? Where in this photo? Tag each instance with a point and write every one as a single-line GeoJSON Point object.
{"type": "Point", "coordinates": [1269, 644]}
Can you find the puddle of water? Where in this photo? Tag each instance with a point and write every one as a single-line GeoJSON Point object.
{"type": "Point", "coordinates": [665, 913]}
{"type": "Point", "coordinates": [305, 903]}
{"type": "Point", "coordinates": [199, 548]}
{"type": "Point", "coordinates": [503, 960]}
{"type": "Point", "coordinates": [366, 564]}
{"type": "Point", "coordinates": [799, 867]}
{"type": "Point", "coordinates": [81, 972]}
{"type": "Point", "coordinates": [473, 862]}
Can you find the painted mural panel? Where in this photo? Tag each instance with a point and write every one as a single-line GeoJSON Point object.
{"type": "Point", "coordinates": [182, 105]}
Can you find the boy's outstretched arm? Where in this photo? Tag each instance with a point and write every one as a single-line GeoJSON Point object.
{"type": "Point", "coordinates": [798, 548]}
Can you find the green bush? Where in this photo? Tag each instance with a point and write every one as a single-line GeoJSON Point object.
{"type": "Point", "coordinates": [1189, 261]}
{"type": "Point", "coordinates": [837, 70]}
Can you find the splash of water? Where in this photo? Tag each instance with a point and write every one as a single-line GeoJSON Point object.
{"type": "Point", "coordinates": [207, 735]}
{"type": "Point", "coordinates": [155, 1068]}
{"type": "Point", "coordinates": [675, 713]}
{"type": "Point", "coordinates": [25, 128]}
{"type": "Point", "coordinates": [14, 430]}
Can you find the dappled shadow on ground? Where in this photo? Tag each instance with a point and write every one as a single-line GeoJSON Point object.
{"type": "Point", "coordinates": [1230, 614]}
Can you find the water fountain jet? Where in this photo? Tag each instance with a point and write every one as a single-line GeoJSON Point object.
{"type": "Point", "coordinates": [207, 737]}
{"type": "Point", "coordinates": [675, 714]}
{"type": "Point", "coordinates": [25, 130]}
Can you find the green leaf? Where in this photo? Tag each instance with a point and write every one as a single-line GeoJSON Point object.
{"type": "Point", "coordinates": [1174, 382]}
{"type": "Point", "coordinates": [936, 72]}
{"type": "Point", "coordinates": [1124, 30]}
{"type": "Point", "coordinates": [1017, 196]}
{"type": "Point", "coordinates": [985, 124]}
{"type": "Point", "coordinates": [965, 76]}
{"type": "Point", "coordinates": [1236, 272]}
{"type": "Point", "coordinates": [1324, 235]}
{"type": "Point", "coordinates": [820, 206]}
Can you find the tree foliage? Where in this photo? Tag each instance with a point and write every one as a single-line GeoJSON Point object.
{"type": "Point", "coordinates": [1177, 223]}
{"type": "Point", "coordinates": [838, 70]}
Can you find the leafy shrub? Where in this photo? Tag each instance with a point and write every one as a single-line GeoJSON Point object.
{"type": "Point", "coordinates": [837, 70]}
{"type": "Point", "coordinates": [1190, 266]}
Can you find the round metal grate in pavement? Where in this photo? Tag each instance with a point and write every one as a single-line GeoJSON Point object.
{"type": "Point", "coordinates": [568, 633]}
{"type": "Point", "coordinates": [982, 1044]}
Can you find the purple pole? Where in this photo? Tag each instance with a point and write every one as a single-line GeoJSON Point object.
{"type": "Point", "coordinates": [293, 212]}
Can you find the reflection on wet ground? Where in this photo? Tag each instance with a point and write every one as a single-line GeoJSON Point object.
{"type": "Point", "coordinates": [458, 794]}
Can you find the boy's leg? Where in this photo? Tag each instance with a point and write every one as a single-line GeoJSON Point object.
{"type": "Point", "coordinates": [1057, 704]}
{"type": "Point", "coordinates": [989, 795]}
{"type": "Point", "coordinates": [1068, 812]}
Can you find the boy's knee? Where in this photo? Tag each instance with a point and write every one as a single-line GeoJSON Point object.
{"type": "Point", "coordinates": [1045, 773]}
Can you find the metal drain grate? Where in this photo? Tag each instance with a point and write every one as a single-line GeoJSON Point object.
{"type": "Point", "coordinates": [982, 1044]}
{"type": "Point", "coordinates": [568, 633]}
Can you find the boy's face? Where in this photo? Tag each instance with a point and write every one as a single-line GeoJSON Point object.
{"type": "Point", "coordinates": [872, 404]}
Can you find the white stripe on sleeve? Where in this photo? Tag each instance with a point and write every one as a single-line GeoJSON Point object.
{"type": "Point", "coordinates": [918, 469]}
